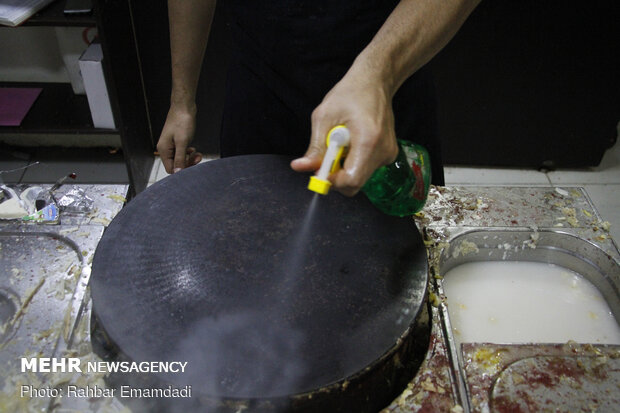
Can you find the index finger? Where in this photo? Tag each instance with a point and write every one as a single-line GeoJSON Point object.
{"type": "Point", "coordinates": [166, 154]}
{"type": "Point", "coordinates": [180, 152]}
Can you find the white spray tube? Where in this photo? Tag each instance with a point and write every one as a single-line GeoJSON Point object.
{"type": "Point", "coordinates": [338, 139]}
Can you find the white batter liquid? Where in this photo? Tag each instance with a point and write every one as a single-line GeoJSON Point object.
{"type": "Point", "coordinates": [526, 302]}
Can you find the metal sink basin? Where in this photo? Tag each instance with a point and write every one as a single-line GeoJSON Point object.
{"type": "Point", "coordinates": [479, 366]}
{"type": "Point", "coordinates": [43, 276]}
{"type": "Point", "coordinates": [545, 246]}
{"type": "Point", "coordinates": [44, 300]}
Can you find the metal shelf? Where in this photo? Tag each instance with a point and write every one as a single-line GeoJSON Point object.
{"type": "Point", "coordinates": [56, 110]}
{"type": "Point", "coordinates": [53, 15]}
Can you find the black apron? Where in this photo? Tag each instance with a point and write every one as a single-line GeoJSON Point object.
{"type": "Point", "coordinates": [286, 56]}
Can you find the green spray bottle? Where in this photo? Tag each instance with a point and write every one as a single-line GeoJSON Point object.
{"type": "Point", "coordinates": [399, 189]}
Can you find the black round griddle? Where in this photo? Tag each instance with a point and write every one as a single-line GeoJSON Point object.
{"type": "Point", "coordinates": [223, 266]}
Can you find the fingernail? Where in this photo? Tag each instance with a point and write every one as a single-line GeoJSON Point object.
{"type": "Point", "coordinates": [175, 170]}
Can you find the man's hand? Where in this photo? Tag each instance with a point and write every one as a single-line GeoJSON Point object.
{"type": "Point", "coordinates": [413, 33]}
{"type": "Point", "coordinates": [173, 145]}
{"type": "Point", "coordinates": [190, 23]}
{"type": "Point", "coordinates": [366, 109]}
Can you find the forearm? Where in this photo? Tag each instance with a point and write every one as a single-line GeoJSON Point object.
{"type": "Point", "coordinates": [414, 32]}
{"type": "Point", "coordinates": [190, 23]}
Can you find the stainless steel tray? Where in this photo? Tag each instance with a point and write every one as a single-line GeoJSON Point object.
{"type": "Point", "coordinates": [469, 244]}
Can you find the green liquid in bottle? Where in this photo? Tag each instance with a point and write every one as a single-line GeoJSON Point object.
{"type": "Point", "coordinates": [401, 188]}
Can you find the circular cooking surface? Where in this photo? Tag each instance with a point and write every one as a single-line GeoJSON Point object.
{"type": "Point", "coordinates": [264, 288]}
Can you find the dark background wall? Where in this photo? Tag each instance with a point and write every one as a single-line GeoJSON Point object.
{"type": "Point", "coordinates": [531, 83]}
{"type": "Point", "coordinates": [524, 83]}
{"type": "Point", "coordinates": [152, 37]}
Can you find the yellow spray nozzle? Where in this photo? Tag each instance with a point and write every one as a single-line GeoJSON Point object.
{"type": "Point", "coordinates": [318, 185]}
{"type": "Point", "coordinates": [338, 139]}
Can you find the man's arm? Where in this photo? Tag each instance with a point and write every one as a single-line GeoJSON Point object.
{"type": "Point", "coordinates": [190, 23]}
{"type": "Point", "coordinates": [413, 33]}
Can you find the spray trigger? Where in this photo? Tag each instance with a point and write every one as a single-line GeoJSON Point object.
{"type": "Point", "coordinates": [337, 141]}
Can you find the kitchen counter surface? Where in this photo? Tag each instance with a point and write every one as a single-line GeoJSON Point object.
{"type": "Point", "coordinates": [452, 211]}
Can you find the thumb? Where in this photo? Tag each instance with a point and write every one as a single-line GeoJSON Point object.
{"type": "Point", "coordinates": [312, 159]}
